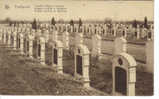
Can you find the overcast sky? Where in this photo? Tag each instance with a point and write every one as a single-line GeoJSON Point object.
{"type": "Point", "coordinates": [85, 9]}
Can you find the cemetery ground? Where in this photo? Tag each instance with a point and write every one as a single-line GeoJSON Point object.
{"type": "Point", "coordinates": [101, 76]}
{"type": "Point", "coordinates": [21, 75]}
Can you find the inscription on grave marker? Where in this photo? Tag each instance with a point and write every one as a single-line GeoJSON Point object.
{"type": "Point", "coordinates": [120, 80]}
{"type": "Point", "coordinates": [79, 64]}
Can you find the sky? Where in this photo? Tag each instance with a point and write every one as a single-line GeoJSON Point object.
{"type": "Point", "coordinates": [75, 9]}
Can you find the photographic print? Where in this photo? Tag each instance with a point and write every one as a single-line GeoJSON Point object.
{"type": "Point", "coordinates": [77, 47]}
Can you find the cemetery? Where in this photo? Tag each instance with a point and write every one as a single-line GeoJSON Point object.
{"type": "Point", "coordinates": [78, 58]}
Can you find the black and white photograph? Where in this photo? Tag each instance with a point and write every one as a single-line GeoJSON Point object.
{"type": "Point", "coordinates": [77, 47]}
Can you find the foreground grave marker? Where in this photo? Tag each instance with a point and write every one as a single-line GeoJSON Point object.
{"type": "Point", "coordinates": [124, 74]}
{"type": "Point", "coordinates": [31, 38]}
{"type": "Point", "coordinates": [82, 63]}
{"type": "Point", "coordinates": [41, 50]}
{"type": "Point", "coordinates": [57, 62]}
{"type": "Point", "coordinates": [124, 70]}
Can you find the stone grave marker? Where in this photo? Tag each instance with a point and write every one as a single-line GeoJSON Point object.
{"type": "Point", "coordinates": [124, 74]}
{"type": "Point", "coordinates": [55, 35]}
{"type": "Point", "coordinates": [79, 38]}
{"type": "Point", "coordinates": [82, 63]}
{"type": "Point", "coordinates": [31, 38]}
{"type": "Point", "coordinates": [1, 34]}
{"type": "Point", "coordinates": [150, 56]}
{"type": "Point", "coordinates": [57, 57]}
{"type": "Point", "coordinates": [4, 36]}
{"type": "Point", "coordinates": [14, 40]}
{"type": "Point", "coordinates": [96, 45]}
{"type": "Point", "coordinates": [66, 40]}
{"type": "Point", "coordinates": [120, 45]}
{"type": "Point", "coordinates": [41, 50]}
{"type": "Point", "coordinates": [21, 37]}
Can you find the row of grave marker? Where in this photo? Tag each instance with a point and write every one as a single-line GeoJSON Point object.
{"type": "Point", "coordinates": [124, 65]}
{"type": "Point", "coordinates": [101, 29]}
{"type": "Point", "coordinates": [96, 42]}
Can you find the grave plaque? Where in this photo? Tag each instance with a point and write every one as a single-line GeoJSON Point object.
{"type": "Point", "coordinates": [79, 64]}
{"type": "Point", "coordinates": [27, 46]}
{"type": "Point", "coordinates": [120, 80]}
{"type": "Point", "coordinates": [55, 56]}
{"type": "Point", "coordinates": [149, 35]}
{"type": "Point", "coordinates": [6, 38]}
{"type": "Point", "coordinates": [19, 43]}
{"type": "Point", "coordinates": [12, 40]}
{"type": "Point", "coordinates": [2, 37]}
{"type": "Point", "coordinates": [24, 45]}
{"type": "Point", "coordinates": [135, 34]}
{"type": "Point", "coordinates": [112, 32]}
{"type": "Point", "coordinates": [123, 33]}
{"type": "Point", "coordinates": [39, 50]}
